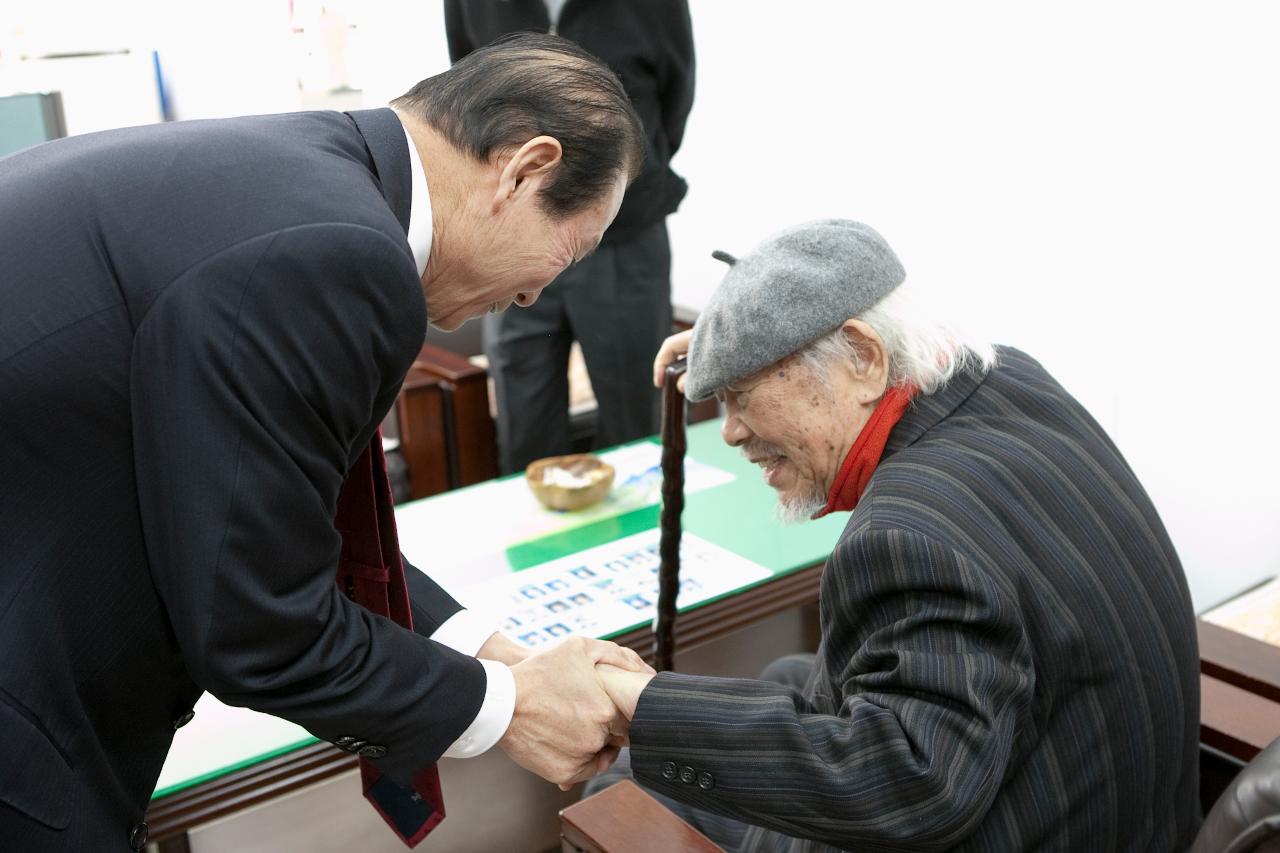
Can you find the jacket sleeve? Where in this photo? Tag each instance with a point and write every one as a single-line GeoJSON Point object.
{"type": "Point", "coordinates": [430, 604]}
{"type": "Point", "coordinates": [455, 29]}
{"type": "Point", "coordinates": [920, 743]}
{"type": "Point", "coordinates": [254, 377]}
{"type": "Point", "coordinates": [677, 89]}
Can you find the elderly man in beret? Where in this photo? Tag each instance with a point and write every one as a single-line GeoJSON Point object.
{"type": "Point", "coordinates": [1008, 657]}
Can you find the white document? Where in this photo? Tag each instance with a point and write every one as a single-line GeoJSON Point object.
{"type": "Point", "coordinates": [461, 537]}
{"type": "Point", "coordinates": [604, 590]}
{"type": "Point", "coordinates": [1255, 613]}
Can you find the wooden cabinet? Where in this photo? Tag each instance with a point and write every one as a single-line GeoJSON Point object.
{"type": "Point", "coordinates": [447, 436]}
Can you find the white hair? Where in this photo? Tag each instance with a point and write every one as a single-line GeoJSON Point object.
{"type": "Point", "coordinates": [798, 509]}
{"type": "Point", "coordinates": [920, 352]}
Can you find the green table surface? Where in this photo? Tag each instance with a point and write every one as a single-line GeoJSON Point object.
{"type": "Point", "coordinates": [736, 515]}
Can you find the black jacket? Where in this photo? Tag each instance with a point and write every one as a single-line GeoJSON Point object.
{"type": "Point", "coordinates": [203, 324]}
{"type": "Point", "coordinates": [1008, 657]}
{"type": "Point", "coordinates": [648, 44]}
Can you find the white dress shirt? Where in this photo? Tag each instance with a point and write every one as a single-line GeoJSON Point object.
{"type": "Point", "coordinates": [464, 631]}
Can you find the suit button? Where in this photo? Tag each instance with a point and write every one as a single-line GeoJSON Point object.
{"type": "Point", "coordinates": [183, 720]}
{"type": "Point", "coordinates": [706, 781]}
{"type": "Point", "coordinates": [343, 742]}
{"type": "Point", "coordinates": [138, 836]}
{"type": "Point", "coordinates": [687, 775]}
{"type": "Point", "coordinates": [669, 770]}
{"type": "Point", "coordinates": [355, 746]}
{"type": "Point", "coordinates": [373, 750]}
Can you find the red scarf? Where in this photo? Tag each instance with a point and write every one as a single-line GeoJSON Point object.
{"type": "Point", "coordinates": [867, 448]}
{"type": "Point", "coordinates": [371, 574]}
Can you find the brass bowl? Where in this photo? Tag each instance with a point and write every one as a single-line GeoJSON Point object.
{"type": "Point", "coordinates": [567, 483]}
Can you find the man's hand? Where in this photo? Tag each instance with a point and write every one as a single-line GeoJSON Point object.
{"type": "Point", "coordinates": [503, 649]}
{"type": "Point", "coordinates": [565, 728]}
{"type": "Point", "coordinates": [674, 347]}
{"type": "Point", "coordinates": [624, 687]}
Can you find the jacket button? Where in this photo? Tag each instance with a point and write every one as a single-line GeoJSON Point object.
{"type": "Point", "coordinates": [138, 836]}
{"type": "Point", "coordinates": [355, 746]}
{"type": "Point", "coordinates": [373, 750]}
{"type": "Point", "coordinates": [343, 742]}
{"type": "Point", "coordinates": [706, 781]}
{"type": "Point", "coordinates": [669, 770]}
{"type": "Point", "coordinates": [687, 775]}
{"type": "Point", "coordinates": [183, 720]}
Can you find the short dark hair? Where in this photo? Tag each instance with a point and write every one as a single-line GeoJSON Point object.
{"type": "Point", "coordinates": [528, 85]}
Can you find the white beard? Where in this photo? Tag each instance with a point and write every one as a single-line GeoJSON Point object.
{"type": "Point", "coordinates": [789, 510]}
{"type": "Point", "coordinates": [798, 509]}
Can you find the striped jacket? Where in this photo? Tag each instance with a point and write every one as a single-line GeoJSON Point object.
{"type": "Point", "coordinates": [1008, 657]}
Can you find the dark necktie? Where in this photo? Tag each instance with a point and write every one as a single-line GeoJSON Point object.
{"type": "Point", "coordinates": [371, 574]}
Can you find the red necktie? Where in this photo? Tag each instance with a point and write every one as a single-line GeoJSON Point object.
{"type": "Point", "coordinates": [371, 574]}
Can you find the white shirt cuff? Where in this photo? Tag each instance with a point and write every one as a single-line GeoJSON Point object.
{"type": "Point", "coordinates": [495, 712]}
{"type": "Point", "coordinates": [464, 632]}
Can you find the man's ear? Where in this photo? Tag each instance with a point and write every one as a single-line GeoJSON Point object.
{"type": "Point", "coordinates": [873, 370]}
{"type": "Point", "coordinates": [524, 170]}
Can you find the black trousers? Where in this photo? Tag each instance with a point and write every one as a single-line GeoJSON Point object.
{"type": "Point", "coordinates": [617, 305]}
{"type": "Point", "coordinates": [792, 671]}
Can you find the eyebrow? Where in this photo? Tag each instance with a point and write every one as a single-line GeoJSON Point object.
{"type": "Point", "coordinates": [739, 387]}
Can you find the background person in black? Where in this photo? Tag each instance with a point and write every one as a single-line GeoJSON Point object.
{"type": "Point", "coordinates": [617, 302]}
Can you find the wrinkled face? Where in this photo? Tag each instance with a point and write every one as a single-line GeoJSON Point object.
{"type": "Point", "coordinates": [796, 427]}
{"type": "Point", "coordinates": [515, 251]}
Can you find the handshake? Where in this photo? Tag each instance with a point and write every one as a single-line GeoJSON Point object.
{"type": "Point", "coordinates": [574, 705]}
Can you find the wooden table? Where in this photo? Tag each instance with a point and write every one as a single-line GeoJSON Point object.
{"type": "Point", "coordinates": [1239, 691]}
{"type": "Point", "coordinates": [737, 515]}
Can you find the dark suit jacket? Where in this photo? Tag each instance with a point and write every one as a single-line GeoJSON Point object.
{"type": "Point", "coordinates": [203, 325]}
{"type": "Point", "coordinates": [1008, 657]}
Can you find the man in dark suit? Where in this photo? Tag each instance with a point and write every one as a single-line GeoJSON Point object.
{"type": "Point", "coordinates": [203, 325]}
{"type": "Point", "coordinates": [1008, 657]}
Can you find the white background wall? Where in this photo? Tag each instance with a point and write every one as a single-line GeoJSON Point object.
{"type": "Point", "coordinates": [1096, 182]}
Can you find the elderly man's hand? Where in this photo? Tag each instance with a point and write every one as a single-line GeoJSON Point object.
{"type": "Point", "coordinates": [624, 687]}
{"type": "Point", "coordinates": [674, 347]}
{"type": "Point", "coordinates": [565, 727]}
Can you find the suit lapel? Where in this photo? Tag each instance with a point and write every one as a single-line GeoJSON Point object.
{"type": "Point", "coordinates": [384, 137]}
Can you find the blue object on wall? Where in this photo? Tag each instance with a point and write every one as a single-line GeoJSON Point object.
{"type": "Point", "coordinates": [166, 109]}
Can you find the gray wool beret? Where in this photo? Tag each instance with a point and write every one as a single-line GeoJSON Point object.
{"type": "Point", "coordinates": [793, 289]}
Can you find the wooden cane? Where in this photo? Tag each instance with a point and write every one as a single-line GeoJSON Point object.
{"type": "Point", "coordinates": [673, 451]}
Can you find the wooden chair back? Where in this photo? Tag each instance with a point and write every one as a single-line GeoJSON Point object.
{"type": "Point", "coordinates": [624, 819]}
